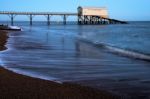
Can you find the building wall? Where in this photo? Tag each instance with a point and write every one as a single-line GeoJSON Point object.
{"type": "Point", "coordinates": [94, 11]}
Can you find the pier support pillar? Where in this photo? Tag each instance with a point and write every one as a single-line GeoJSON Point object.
{"type": "Point", "coordinates": [12, 16]}
{"type": "Point", "coordinates": [48, 19]}
{"type": "Point", "coordinates": [12, 19]}
{"type": "Point", "coordinates": [84, 19]}
{"type": "Point", "coordinates": [80, 20]}
{"type": "Point", "coordinates": [64, 20]}
{"type": "Point", "coordinates": [31, 19]}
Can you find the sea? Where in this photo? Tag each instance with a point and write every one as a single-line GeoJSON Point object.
{"type": "Point", "coordinates": [113, 57]}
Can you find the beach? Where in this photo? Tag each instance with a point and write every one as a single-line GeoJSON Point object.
{"type": "Point", "coordinates": [87, 61]}
{"type": "Point", "coordinates": [3, 40]}
{"type": "Point", "coordinates": [19, 86]}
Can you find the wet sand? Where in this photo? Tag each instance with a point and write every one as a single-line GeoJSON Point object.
{"type": "Point", "coordinates": [3, 39]}
{"type": "Point", "coordinates": [18, 86]}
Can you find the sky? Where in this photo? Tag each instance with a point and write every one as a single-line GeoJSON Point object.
{"type": "Point", "coordinates": [128, 10]}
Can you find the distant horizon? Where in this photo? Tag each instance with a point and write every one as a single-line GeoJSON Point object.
{"type": "Point", "coordinates": [44, 21]}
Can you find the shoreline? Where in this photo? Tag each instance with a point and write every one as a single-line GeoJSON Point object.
{"type": "Point", "coordinates": [3, 39]}
{"type": "Point", "coordinates": [15, 85]}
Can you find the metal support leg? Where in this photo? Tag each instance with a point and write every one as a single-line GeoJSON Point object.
{"type": "Point", "coordinates": [64, 19]}
{"type": "Point", "coordinates": [98, 20]}
{"type": "Point", "coordinates": [12, 19]}
{"type": "Point", "coordinates": [48, 19]}
{"type": "Point", "coordinates": [84, 20]}
{"type": "Point", "coordinates": [90, 20]}
{"type": "Point", "coordinates": [104, 21]}
{"type": "Point", "coordinates": [79, 19]}
{"type": "Point", "coordinates": [30, 19]}
{"type": "Point", "coordinates": [101, 22]}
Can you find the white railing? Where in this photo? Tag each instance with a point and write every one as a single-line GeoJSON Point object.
{"type": "Point", "coordinates": [37, 13]}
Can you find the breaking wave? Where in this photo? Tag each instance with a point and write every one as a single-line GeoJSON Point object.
{"type": "Point", "coordinates": [117, 50]}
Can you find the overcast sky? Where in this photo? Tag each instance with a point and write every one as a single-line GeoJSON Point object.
{"type": "Point", "coordinates": [118, 9]}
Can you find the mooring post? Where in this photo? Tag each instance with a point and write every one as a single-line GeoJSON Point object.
{"type": "Point", "coordinates": [12, 19]}
{"type": "Point", "coordinates": [64, 19]}
{"type": "Point", "coordinates": [48, 19]}
{"type": "Point", "coordinates": [30, 19]}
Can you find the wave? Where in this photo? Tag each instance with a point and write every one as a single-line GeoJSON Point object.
{"type": "Point", "coordinates": [34, 75]}
{"type": "Point", "coordinates": [128, 53]}
{"type": "Point", "coordinates": [117, 50]}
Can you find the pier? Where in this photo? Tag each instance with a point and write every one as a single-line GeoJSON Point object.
{"type": "Point", "coordinates": [30, 15]}
{"type": "Point", "coordinates": [84, 16]}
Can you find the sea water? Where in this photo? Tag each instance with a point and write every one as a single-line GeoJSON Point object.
{"type": "Point", "coordinates": [110, 57]}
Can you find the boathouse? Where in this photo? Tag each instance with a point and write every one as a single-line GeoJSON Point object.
{"type": "Point", "coordinates": [93, 11]}
{"type": "Point", "coordinates": [95, 15]}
